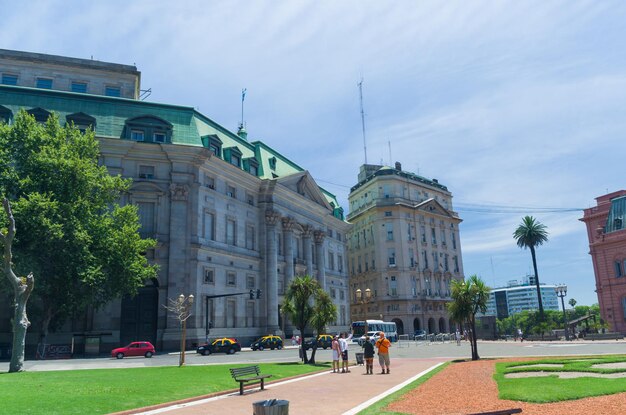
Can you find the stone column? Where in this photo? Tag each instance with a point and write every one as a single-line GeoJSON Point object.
{"type": "Point", "coordinates": [307, 230]}
{"type": "Point", "coordinates": [288, 224]}
{"type": "Point", "coordinates": [271, 270]}
{"type": "Point", "coordinates": [321, 266]}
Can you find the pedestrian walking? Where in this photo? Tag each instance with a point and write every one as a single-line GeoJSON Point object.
{"type": "Point", "coordinates": [343, 345]}
{"type": "Point", "coordinates": [368, 355]}
{"type": "Point", "coordinates": [383, 345]}
{"type": "Point", "coordinates": [520, 334]}
{"type": "Point", "coordinates": [334, 345]}
{"type": "Point", "coordinates": [457, 336]}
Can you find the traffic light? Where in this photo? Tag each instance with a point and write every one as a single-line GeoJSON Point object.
{"type": "Point", "coordinates": [252, 294]}
{"type": "Point", "coordinates": [258, 294]}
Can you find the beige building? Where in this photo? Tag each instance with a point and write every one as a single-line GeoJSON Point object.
{"type": "Point", "coordinates": [404, 248]}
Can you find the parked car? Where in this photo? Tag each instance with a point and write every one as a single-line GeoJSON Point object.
{"type": "Point", "coordinates": [373, 337]}
{"type": "Point", "coordinates": [226, 345]}
{"type": "Point", "coordinates": [267, 342]}
{"type": "Point", "coordinates": [324, 341]}
{"type": "Point", "coordinates": [420, 335]}
{"type": "Point", "coordinates": [134, 349]}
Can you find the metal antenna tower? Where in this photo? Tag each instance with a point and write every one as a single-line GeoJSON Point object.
{"type": "Point", "coordinates": [243, 97]}
{"type": "Point", "coordinates": [362, 117]}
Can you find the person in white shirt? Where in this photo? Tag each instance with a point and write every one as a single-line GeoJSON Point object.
{"type": "Point", "coordinates": [343, 345]}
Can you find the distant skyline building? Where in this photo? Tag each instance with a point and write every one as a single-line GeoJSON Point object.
{"type": "Point", "coordinates": [606, 231]}
{"type": "Point", "coordinates": [520, 296]}
{"type": "Point", "coordinates": [404, 247]}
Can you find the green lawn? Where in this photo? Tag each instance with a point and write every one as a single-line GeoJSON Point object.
{"type": "Point", "coordinates": [378, 408]}
{"type": "Point", "coordinates": [553, 389]}
{"type": "Point", "coordinates": [103, 391]}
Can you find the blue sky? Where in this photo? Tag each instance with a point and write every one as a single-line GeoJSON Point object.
{"type": "Point", "coordinates": [516, 104]}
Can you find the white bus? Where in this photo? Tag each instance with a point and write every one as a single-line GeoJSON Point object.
{"type": "Point", "coordinates": [388, 327]}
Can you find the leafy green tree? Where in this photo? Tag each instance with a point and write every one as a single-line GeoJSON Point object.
{"type": "Point", "coordinates": [306, 304]}
{"type": "Point", "coordinates": [83, 246]}
{"type": "Point", "coordinates": [530, 234]}
{"type": "Point", "coordinates": [468, 298]}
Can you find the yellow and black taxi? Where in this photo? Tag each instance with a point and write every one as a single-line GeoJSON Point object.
{"type": "Point", "coordinates": [324, 341]}
{"type": "Point", "coordinates": [267, 342]}
{"type": "Point", "coordinates": [224, 345]}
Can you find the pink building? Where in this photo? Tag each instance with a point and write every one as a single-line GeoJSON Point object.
{"type": "Point", "coordinates": [606, 230]}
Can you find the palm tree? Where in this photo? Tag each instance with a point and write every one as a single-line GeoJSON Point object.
{"type": "Point", "coordinates": [306, 303]}
{"type": "Point", "coordinates": [468, 298]}
{"type": "Point", "coordinates": [530, 234]}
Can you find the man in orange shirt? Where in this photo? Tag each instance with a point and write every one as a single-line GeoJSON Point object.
{"type": "Point", "coordinates": [383, 345]}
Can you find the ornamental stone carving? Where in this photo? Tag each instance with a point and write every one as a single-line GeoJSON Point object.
{"type": "Point", "coordinates": [288, 223]}
{"type": "Point", "coordinates": [179, 191]}
{"type": "Point", "coordinates": [307, 231]}
{"type": "Point", "coordinates": [271, 217]}
{"type": "Point", "coordinates": [319, 237]}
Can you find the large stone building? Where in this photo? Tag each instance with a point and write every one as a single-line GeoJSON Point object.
{"type": "Point", "coordinates": [404, 247]}
{"type": "Point", "coordinates": [606, 230]}
{"type": "Point", "coordinates": [229, 215]}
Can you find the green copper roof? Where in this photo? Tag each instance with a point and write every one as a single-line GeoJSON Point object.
{"type": "Point", "coordinates": [188, 125]}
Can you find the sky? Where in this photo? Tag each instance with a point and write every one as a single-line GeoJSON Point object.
{"type": "Point", "coordinates": [517, 107]}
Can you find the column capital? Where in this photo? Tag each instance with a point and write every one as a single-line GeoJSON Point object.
{"type": "Point", "coordinates": [319, 237]}
{"type": "Point", "coordinates": [288, 223]}
{"type": "Point", "coordinates": [271, 217]}
{"type": "Point", "coordinates": [307, 231]}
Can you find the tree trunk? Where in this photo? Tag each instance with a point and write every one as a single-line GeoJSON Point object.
{"type": "Point", "coordinates": [312, 359]}
{"type": "Point", "coordinates": [45, 327]}
{"type": "Point", "coordinates": [473, 337]}
{"type": "Point", "coordinates": [22, 287]}
{"type": "Point", "coordinates": [532, 253]}
{"type": "Point", "coordinates": [305, 359]}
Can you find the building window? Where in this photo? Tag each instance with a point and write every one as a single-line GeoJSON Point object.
{"type": "Point", "coordinates": [433, 235]}
{"type": "Point", "coordinates": [389, 228]}
{"type": "Point", "coordinates": [443, 237]}
{"type": "Point", "coordinates": [250, 282]}
{"type": "Point", "coordinates": [272, 162]}
{"type": "Point", "coordinates": [235, 160]}
{"type": "Point", "coordinates": [208, 226]}
{"type": "Point", "coordinates": [423, 233]}
{"type": "Point", "coordinates": [373, 260]}
{"type": "Point", "coordinates": [333, 293]}
{"type": "Point", "coordinates": [618, 269]}
{"type": "Point", "coordinates": [391, 257]}
{"type": "Point", "coordinates": [445, 263]}
{"type": "Point", "coordinates": [80, 87]}
{"type": "Point", "coordinates": [137, 135]}
{"type": "Point", "coordinates": [387, 213]}
{"type": "Point", "coordinates": [250, 237]}
{"type": "Point", "coordinates": [453, 239]}
{"type": "Point", "coordinates": [209, 182]}
{"type": "Point", "coordinates": [9, 79]}
{"type": "Point", "coordinates": [425, 259]}
{"type": "Point", "coordinates": [231, 238]}
{"type": "Point", "coordinates": [231, 191]}
{"type": "Point", "coordinates": [146, 172]}
{"type": "Point", "coordinates": [231, 279]}
{"type": "Point", "coordinates": [44, 83]}
{"type": "Point", "coordinates": [456, 264]}
{"type": "Point", "coordinates": [331, 260]}
{"type": "Point", "coordinates": [342, 295]}
{"type": "Point", "coordinates": [393, 286]}
{"type": "Point", "coordinates": [209, 276]}
{"type": "Point", "coordinates": [435, 261]}
{"type": "Point", "coordinates": [367, 260]}
{"type": "Point", "coordinates": [250, 199]}
{"type": "Point", "coordinates": [158, 137]}
{"type": "Point", "coordinates": [339, 263]}
{"type": "Point", "coordinates": [146, 212]}
{"type": "Point", "coordinates": [112, 91]}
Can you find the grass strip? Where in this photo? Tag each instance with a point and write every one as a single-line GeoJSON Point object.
{"type": "Point", "coordinates": [378, 408]}
{"type": "Point", "coordinates": [552, 388]}
{"type": "Point", "coordinates": [101, 391]}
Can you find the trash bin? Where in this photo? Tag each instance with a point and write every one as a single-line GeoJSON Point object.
{"type": "Point", "coordinates": [270, 407]}
{"type": "Point", "coordinates": [359, 358]}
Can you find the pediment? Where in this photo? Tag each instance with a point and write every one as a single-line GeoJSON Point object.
{"type": "Point", "coordinates": [303, 184]}
{"type": "Point", "coordinates": [433, 207]}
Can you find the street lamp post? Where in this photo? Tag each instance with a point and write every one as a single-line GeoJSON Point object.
{"type": "Point", "coordinates": [561, 291]}
{"type": "Point", "coordinates": [184, 304]}
{"type": "Point", "coordinates": [364, 300]}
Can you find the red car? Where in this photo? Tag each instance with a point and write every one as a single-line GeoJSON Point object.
{"type": "Point", "coordinates": [134, 349]}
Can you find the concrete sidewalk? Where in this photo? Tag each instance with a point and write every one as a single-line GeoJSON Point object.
{"type": "Point", "coordinates": [326, 392]}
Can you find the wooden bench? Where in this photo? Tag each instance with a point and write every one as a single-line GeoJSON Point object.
{"type": "Point", "coordinates": [248, 374]}
{"type": "Point", "coordinates": [604, 336]}
{"type": "Point", "coordinates": [501, 412]}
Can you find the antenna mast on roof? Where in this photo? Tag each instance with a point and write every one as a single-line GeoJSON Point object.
{"type": "Point", "coordinates": [362, 117]}
{"type": "Point", "coordinates": [243, 97]}
{"type": "Point", "coordinates": [390, 159]}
